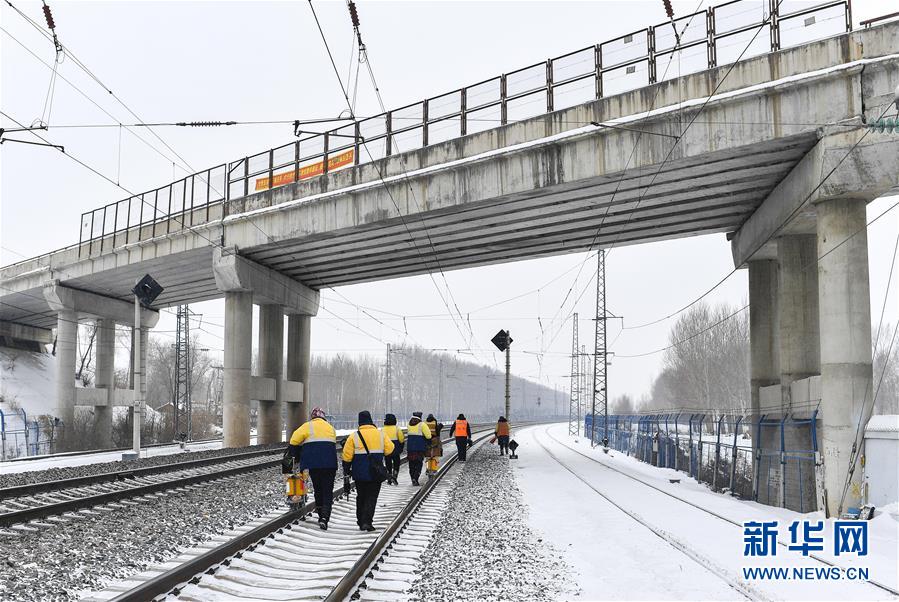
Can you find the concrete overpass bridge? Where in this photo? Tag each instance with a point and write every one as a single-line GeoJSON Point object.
{"type": "Point", "coordinates": [773, 150]}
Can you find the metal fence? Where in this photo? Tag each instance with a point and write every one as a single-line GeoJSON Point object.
{"type": "Point", "coordinates": [709, 38]}
{"type": "Point", "coordinates": [20, 436]}
{"type": "Point", "coordinates": [770, 459]}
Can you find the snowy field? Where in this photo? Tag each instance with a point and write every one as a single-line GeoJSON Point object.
{"type": "Point", "coordinates": [684, 553]}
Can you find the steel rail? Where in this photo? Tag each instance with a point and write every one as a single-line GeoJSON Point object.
{"type": "Point", "coordinates": [876, 584]}
{"type": "Point", "coordinates": [348, 584]}
{"type": "Point", "coordinates": [119, 475]}
{"type": "Point", "coordinates": [108, 450]}
{"type": "Point", "coordinates": [27, 514]}
{"type": "Point", "coordinates": [186, 572]}
{"type": "Point", "coordinates": [743, 589]}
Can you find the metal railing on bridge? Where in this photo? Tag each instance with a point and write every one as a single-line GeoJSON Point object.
{"type": "Point", "coordinates": [709, 38]}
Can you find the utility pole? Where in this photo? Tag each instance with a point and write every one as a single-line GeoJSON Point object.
{"type": "Point", "coordinates": [182, 403]}
{"type": "Point", "coordinates": [508, 413]}
{"type": "Point", "coordinates": [440, 389]}
{"type": "Point", "coordinates": [583, 384]}
{"type": "Point", "coordinates": [574, 404]}
{"type": "Point", "coordinates": [388, 406]}
{"type": "Point", "coordinates": [600, 356]}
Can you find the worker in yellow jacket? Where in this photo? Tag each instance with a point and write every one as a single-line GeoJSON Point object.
{"type": "Point", "coordinates": [363, 458]}
{"type": "Point", "coordinates": [314, 445]}
{"type": "Point", "coordinates": [418, 436]}
{"type": "Point", "coordinates": [395, 434]}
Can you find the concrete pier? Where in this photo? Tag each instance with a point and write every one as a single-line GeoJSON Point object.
{"type": "Point", "coordinates": [238, 361]}
{"type": "Point", "coordinates": [270, 425]}
{"type": "Point", "coordinates": [105, 379]}
{"type": "Point", "coordinates": [764, 346]}
{"type": "Point", "coordinates": [845, 320]}
{"type": "Point", "coordinates": [798, 306]}
{"type": "Point", "coordinates": [66, 342]}
{"type": "Point", "coordinates": [299, 331]}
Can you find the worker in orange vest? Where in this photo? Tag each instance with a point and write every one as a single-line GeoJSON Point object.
{"type": "Point", "coordinates": [461, 430]}
{"type": "Point", "coordinates": [502, 435]}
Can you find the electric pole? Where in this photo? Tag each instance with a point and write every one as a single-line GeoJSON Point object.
{"type": "Point", "coordinates": [600, 356]}
{"type": "Point", "coordinates": [574, 404]}
{"type": "Point", "coordinates": [388, 406]}
{"type": "Point", "coordinates": [182, 405]}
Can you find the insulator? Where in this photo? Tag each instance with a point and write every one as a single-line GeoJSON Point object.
{"type": "Point", "coordinates": [201, 124]}
{"type": "Point", "coordinates": [668, 9]}
{"type": "Point", "coordinates": [354, 16]}
{"type": "Point", "coordinates": [49, 17]}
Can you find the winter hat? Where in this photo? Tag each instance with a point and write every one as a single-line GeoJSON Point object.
{"type": "Point", "coordinates": [431, 418]}
{"type": "Point", "coordinates": [460, 417]}
{"type": "Point", "coordinates": [389, 419]}
{"type": "Point", "coordinates": [317, 412]}
{"type": "Point", "coordinates": [365, 418]}
{"type": "Point", "coordinates": [417, 414]}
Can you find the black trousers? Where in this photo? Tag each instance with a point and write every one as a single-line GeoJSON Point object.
{"type": "Point", "coordinates": [416, 460]}
{"type": "Point", "coordinates": [503, 444]}
{"type": "Point", "coordinates": [462, 447]}
{"type": "Point", "coordinates": [393, 464]}
{"type": "Point", "coordinates": [366, 501]}
{"type": "Point", "coordinates": [323, 488]}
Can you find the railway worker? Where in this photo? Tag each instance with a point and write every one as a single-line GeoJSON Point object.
{"type": "Point", "coordinates": [417, 436]}
{"type": "Point", "coordinates": [363, 458]}
{"type": "Point", "coordinates": [435, 445]}
{"type": "Point", "coordinates": [461, 430]}
{"type": "Point", "coordinates": [314, 445]}
{"type": "Point", "coordinates": [395, 434]}
{"type": "Point", "coordinates": [502, 435]}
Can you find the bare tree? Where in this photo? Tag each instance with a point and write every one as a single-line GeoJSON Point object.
{"type": "Point", "coordinates": [886, 371]}
{"type": "Point", "coordinates": [707, 365]}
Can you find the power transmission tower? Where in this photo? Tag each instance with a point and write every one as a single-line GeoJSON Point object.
{"type": "Point", "coordinates": [574, 404]}
{"type": "Point", "coordinates": [182, 405]}
{"type": "Point", "coordinates": [600, 358]}
{"type": "Point", "coordinates": [585, 366]}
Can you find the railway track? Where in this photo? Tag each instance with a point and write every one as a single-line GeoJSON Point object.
{"type": "Point", "coordinates": [281, 556]}
{"type": "Point", "coordinates": [707, 563]}
{"type": "Point", "coordinates": [24, 507]}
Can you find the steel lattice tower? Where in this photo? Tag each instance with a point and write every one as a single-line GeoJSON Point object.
{"type": "Point", "coordinates": [600, 359]}
{"type": "Point", "coordinates": [182, 406]}
{"type": "Point", "coordinates": [585, 370]}
{"type": "Point", "coordinates": [574, 404]}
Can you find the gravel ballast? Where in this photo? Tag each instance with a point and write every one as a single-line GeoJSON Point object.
{"type": "Point", "coordinates": [15, 479]}
{"type": "Point", "coordinates": [68, 560]}
{"type": "Point", "coordinates": [483, 548]}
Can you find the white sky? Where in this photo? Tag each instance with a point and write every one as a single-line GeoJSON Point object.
{"type": "Point", "coordinates": [184, 61]}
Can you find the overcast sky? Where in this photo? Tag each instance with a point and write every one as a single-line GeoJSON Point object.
{"type": "Point", "coordinates": [265, 61]}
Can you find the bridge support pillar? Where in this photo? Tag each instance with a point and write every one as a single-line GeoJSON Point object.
{"type": "Point", "coordinates": [764, 365]}
{"type": "Point", "coordinates": [299, 331]}
{"type": "Point", "coordinates": [846, 363]}
{"type": "Point", "coordinates": [105, 379]}
{"type": "Point", "coordinates": [66, 342]}
{"type": "Point", "coordinates": [238, 360]}
{"type": "Point", "coordinates": [799, 357]}
{"type": "Point", "coordinates": [270, 425]}
{"type": "Point", "coordinates": [799, 332]}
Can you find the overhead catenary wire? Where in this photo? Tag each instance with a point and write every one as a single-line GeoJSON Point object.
{"type": "Point", "coordinates": [387, 189]}
{"type": "Point", "coordinates": [183, 124]}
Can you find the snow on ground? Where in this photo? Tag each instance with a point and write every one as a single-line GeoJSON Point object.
{"type": "Point", "coordinates": [618, 558]}
{"type": "Point", "coordinates": [27, 380]}
{"type": "Point", "coordinates": [483, 548]}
